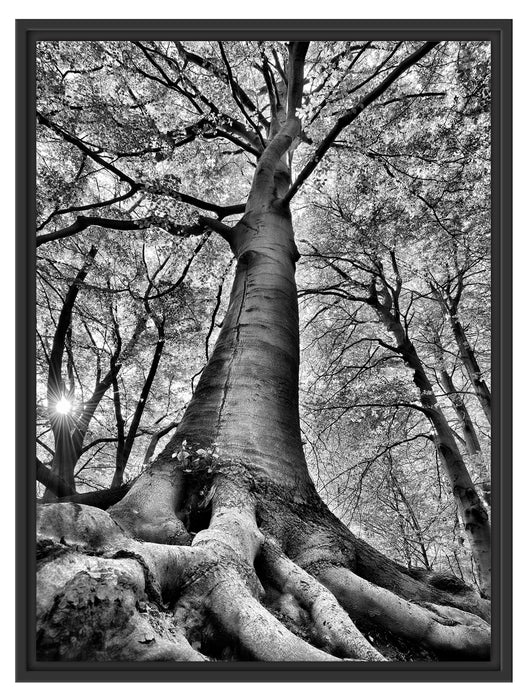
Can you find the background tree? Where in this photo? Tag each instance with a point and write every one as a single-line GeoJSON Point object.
{"type": "Point", "coordinates": [409, 198]}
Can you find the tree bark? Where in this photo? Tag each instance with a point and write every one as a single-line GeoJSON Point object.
{"type": "Point", "coordinates": [125, 444]}
{"type": "Point", "coordinates": [468, 429]}
{"type": "Point", "coordinates": [450, 303]}
{"type": "Point", "coordinates": [472, 444]}
{"type": "Point", "coordinates": [470, 363]}
{"type": "Point", "coordinates": [62, 424]}
{"type": "Point", "coordinates": [470, 506]}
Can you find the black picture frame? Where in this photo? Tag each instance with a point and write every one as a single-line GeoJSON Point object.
{"type": "Point", "coordinates": [499, 33]}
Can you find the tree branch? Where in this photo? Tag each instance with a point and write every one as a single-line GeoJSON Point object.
{"type": "Point", "coordinates": [297, 52]}
{"type": "Point", "coordinates": [52, 481]}
{"type": "Point", "coordinates": [99, 499]}
{"type": "Point", "coordinates": [155, 439]}
{"type": "Point", "coordinates": [84, 222]}
{"type": "Point", "coordinates": [355, 112]}
{"type": "Point", "coordinates": [235, 94]}
{"type": "Point", "coordinates": [82, 147]}
{"type": "Point", "coordinates": [57, 351]}
{"type": "Point", "coordinates": [226, 78]}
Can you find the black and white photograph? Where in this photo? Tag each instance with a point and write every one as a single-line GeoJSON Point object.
{"type": "Point", "coordinates": [264, 277]}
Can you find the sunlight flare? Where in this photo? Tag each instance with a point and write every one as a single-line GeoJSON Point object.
{"type": "Point", "coordinates": [63, 406]}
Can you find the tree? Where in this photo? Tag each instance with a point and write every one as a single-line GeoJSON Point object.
{"type": "Point", "coordinates": [222, 547]}
{"type": "Point", "coordinates": [405, 200]}
{"type": "Point", "coordinates": [384, 296]}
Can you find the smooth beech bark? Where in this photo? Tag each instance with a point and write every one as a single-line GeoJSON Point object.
{"type": "Point", "coordinates": [470, 506]}
{"type": "Point", "coordinates": [471, 364]}
{"type": "Point", "coordinates": [469, 432]}
{"type": "Point", "coordinates": [62, 424]}
{"type": "Point", "coordinates": [450, 303]}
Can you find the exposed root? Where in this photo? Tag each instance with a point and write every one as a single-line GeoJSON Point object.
{"type": "Point", "coordinates": [259, 634]}
{"type": "Point", "coordinates": [434, 587]}
{"type": "Point", "coordinates": [333, 628]}
{"type": "Point", "coordinates": [73, 524]}
{"type": "Point", "coordinates": [316, 540]}
{"type": "Point", "coordinates": [226, 585]}
{"type": "Point", "coordinates": [449, 638]}
{"type": "Point", "coordinates": [68, 525]}
{"type": "Point", "coordinates": [233, 522]}
{"type": "Point", "coordinates": [90, 608]}
{"type": "Point", "coordinates": [105, 595]}
{"type": "Point", "coordinates": [148, 511]}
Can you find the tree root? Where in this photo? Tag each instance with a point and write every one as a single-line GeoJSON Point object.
{"type": "Point", "coordinates": [452, 636]}
{"type": "Point", "coordinates": [105, 595]}
{"type": "Point", "coordinates": [333, 628]}
{"type": "Point", "coordinates": [148, 511]}
{"type": "Point", "coordinates": [91, 608]}
{"type": "Point", "coordinates": [259, 634]}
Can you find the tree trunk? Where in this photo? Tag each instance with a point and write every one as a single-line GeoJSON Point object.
{"type": "Point", "coordinates": [468, 429]}
{"type": "Point", "coordinates": [69, 434]}
{"type": "Point", "coordinates": [470, 506]}
{"type": "Point", "coordinates": [246, 403]}
{"type": "Point", "coordinates": [65, 456]}
{"type": "Point", "coordinates": [472, 444]}
{"type": "Point", "coordinates": [470, 363]}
